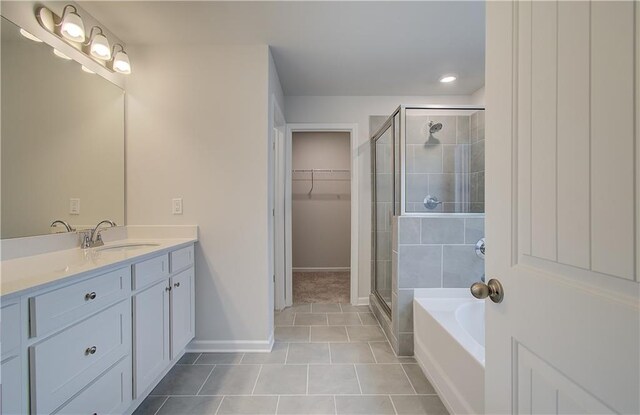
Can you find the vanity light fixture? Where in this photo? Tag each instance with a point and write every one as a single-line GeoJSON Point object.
{"type": "Point", "coordinates": [60, 54]}
{"type": "Point", "coordinates": [120, 62]}
{"type": "Point", "coordinates": [99, 45]}
{"type": "Point", "coordinates": [87, 70]}
{"type": "Point", "coordinates": [29, 36]}
{"type": "Point", "coordinates": [448, 78]}
{"type": "Point", "coordinates": [71, 25]}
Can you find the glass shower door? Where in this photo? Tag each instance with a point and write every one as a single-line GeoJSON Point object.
{"type": "Point", "coordinates": [383, 211]}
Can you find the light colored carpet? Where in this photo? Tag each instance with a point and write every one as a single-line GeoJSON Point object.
{"type": "Point", "coordinates": [321, 287]}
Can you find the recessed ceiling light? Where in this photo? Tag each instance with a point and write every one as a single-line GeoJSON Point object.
{"type": "Point", "coordinates": [61, 55]}
{"type": "Point", "coordinates": [448, 78]}
{"type": "Point", "coordinates": [29, 36]}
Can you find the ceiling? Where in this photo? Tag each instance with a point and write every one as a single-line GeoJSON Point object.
{"type": "Point", "coordinates": [326, 48]}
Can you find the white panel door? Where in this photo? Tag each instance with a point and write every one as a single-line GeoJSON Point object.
{"type": "Point", "coordinates": [151, 335]}
{"type": "Point", "coordinates": [562, 191]}
{"type": "Point", "coordinates": [182, 311]}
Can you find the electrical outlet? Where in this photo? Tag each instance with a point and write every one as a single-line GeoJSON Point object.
{"type": "Point", "coordinates": [74, 206]}
{"type": "Point", "coordinates": [176, 206]}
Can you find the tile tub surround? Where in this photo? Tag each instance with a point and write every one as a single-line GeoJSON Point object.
{"type": "Point", "coordinates": [342, 364]}
{"type": "Point", "coordinates": [432, 252]}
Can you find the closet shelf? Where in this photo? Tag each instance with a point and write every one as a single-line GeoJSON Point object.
{"type": "Point", "coordinates": [313, 178]}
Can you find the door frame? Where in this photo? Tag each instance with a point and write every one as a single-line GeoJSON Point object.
{"type": "Point", "coordinates": [278, 238]}
{"type": "Point", "coordinates": [352, 129]}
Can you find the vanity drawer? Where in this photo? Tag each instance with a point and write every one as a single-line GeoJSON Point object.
{"type": "Point", "coordinates": [62, 365]}
{"type": "Point", "coordinates": [10, 322]}
{"type": "Point", "coordinates": [149, 271]}
{"type": "Point", "coordinates": [63, 306]}
{"type": "Point", "coordinates": [109, 394]}
{"type": "Point", "coordinates": [181, 258]}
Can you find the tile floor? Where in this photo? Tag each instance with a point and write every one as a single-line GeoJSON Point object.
{"type": "Point", "coordinates": [327, 359]}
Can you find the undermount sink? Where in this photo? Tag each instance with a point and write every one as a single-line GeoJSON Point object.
{"type": "Point", "coordinates": [126, 247]}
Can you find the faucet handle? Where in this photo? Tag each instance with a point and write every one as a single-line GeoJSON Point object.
{"type": "Point", "coordinates": [85, 239]}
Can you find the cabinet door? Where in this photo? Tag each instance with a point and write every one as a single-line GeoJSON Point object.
{"type": "Point", "coordinates": [151, 335]}
{"type": "Point", "coordinates": [182, 311]}
{"type": "Point", "coordinates": [11, 396]}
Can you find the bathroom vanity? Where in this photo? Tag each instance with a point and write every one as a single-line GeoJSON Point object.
{"type": "Point", "coordinates": [93, 331]}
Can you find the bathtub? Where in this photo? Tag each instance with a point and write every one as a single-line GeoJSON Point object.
{"type": "Point", "coordinates": [448, 325]}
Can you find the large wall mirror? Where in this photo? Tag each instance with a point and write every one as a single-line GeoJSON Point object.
{"type": "Point", "coordinates": [62, 141]}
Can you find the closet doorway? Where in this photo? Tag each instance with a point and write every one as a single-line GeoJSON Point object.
{"type": "Point", "coordinates": [321, 222]}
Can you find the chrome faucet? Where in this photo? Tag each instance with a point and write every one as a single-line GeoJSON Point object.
{"type": "Point", "coordinates": [63, 223]}
{"type": "Point", "coordinates": [93, 239]}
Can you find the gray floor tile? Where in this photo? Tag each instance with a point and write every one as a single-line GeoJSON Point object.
{"type": "Point", "coordinates": [344, 319]}
{"type": "Point", "coordinates": [292, 334]}
{"type": "Point", "coordinates": [303, 353]}
{"type": "Point", "coordinates": [383, 379]}
{"type": "Point", "coordinates": [333, 380]}
{"type": "Point", "coordinates": [419, 381]}
{"type": "Point", "coordinates": [150, 405]}
{"type": "Point", "coordinates": [348, 308]}
{"type": "Point", "coordinates": [384, 354]}
{"type": "Point", "coordinates": [365, 405]}
{"type": "Point", "coordinates": [282, 380]}
{"type": "Point", "coordinates": [231, 380]}
{"type": "Point", "coordinates": [416, 404]}
{"type": "Point", "coordinates": [351, 353]}
{"type": "Point", "coordinates": [188, 358]}
{"type": "Point", "coordinates": [192, 405]}
{"type": "Point", "coordinates": [328, 334]}
{"type": "Point", "coordinates": [365, 333]}
{"type": "Point", "coordinates": [306, 405]}
{"type": "Point", "coordinates": [368, 319]}
{"type": "Point", "coordinates": [300, 308]}
{"type": "Point", "coordinates": [278, 355]}
{"type": "Point", "coordinates": [218, 358]}
{"type": "Point", "coordinates": [310, 319]}
{"type": "Point", "coordinates": [248, 405]}
{"type": "Point", "coordinates": [326, 308]}
{"type": "Point", "coordinates": [183, 380]}
{"type": "Point", "coordinates": [284, 319]}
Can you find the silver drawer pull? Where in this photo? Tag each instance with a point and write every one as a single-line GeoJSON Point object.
{"type": "Point", "coordinates": [90, 296]}
{"type": "Point", "coordinates": [91, 350]}
{"type": "Point", "coordinates": [177, 284]}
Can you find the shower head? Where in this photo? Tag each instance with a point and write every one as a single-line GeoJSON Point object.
{"type": "Point", "coordinates": [434, 127]}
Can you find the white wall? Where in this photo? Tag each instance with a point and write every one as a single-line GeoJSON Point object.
{"type": "Point", "coordinates": [197, 128]}
{"type": "Point", "coordinates": [344, 109]}
{"type": "Point", "coordinates": [321, 236]}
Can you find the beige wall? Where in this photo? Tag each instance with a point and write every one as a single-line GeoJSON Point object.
{"type": "Point", "coordinates": [321, 230]}
{"type": "Point", "coordinates": [197, 128]}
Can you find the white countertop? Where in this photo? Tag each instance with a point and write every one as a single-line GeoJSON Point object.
{"type": "Point", "coordinates": [37, 271]}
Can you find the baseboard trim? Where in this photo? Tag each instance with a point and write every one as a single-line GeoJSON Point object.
{"type": "Point", "coordinates": [321, 269]}
{"type": "Point", "coordinates": [363, 301]}
{"type": "Point", "coordinates": [239, 346]}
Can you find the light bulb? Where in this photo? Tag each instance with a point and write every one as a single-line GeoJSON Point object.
{"type": "Point", "coordinates": [72, 25]}
{"type": "Point", "coordinates": [29, 36]}
{"type": "Point", "coordinates": [100, 47]}
{"type": "Point", "coordinates": [448, 78]}
{"type": "Point", "coordinates": [121, 63]}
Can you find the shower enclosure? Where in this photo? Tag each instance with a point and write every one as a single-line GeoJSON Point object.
{"type": "Point", "coordinates": [426, 161]}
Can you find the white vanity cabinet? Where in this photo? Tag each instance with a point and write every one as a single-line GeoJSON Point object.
{"type": "Point", "coordinates": [97, 343]}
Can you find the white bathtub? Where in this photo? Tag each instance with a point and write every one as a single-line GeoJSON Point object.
{"type": "Point", "coordinates": [448, 325]}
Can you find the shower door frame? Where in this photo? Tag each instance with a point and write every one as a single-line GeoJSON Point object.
{"type": "Point", "coordinates": [403, 162]}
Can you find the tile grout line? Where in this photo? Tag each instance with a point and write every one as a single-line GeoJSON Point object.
{"type": "Point", "coordinates": [286, 356]}
{"type": "Point", "coordinates": [357, 378]}
{"type": "Point", "coordinates": [197, 358]}
{"type": "Point", "coordinates": [409, 379]}
{"type": "Point", "coordinates": [393, 405]}
{"type": "Point", "coordinates": [335, 405]}
{"type": "Point", "coordinates": [219, 405]}
{"type": "Point", "coordinates": [375, 359]}
{"type": "Point", "coordinates": [277, 404]}
{"type": "Point", "coordinates": [161, 405]}
{"type": "Point", "coordinates": [307, 392]}
{"type": "Point", "coordinates": [256, 382]}
{"type": "Point", "coordinates": [206, 380]}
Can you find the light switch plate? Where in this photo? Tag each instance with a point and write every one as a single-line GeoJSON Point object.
{"type": "Point", "coordinates": [176, 206]}
{"type": "Point", "coordinates": [74, 206]}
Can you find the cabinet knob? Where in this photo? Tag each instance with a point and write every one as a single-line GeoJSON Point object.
{"type": "Point", "coordinates": [91, 350]}
{"type": "Point", "coordinates": [177, 284]}
{"type": "Point", "coordinates": [168, 288]}
{"type": "Point", "coordinates": [90, 296]}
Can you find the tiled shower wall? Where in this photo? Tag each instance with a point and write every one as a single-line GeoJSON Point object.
{"type": "Point", "coordinates": [448, 164]}
{"type": "Point", "coordinates": [430, 252]}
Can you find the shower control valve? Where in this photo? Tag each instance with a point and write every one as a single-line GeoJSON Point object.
{"type": "Point", "coordinates": [431, 202]}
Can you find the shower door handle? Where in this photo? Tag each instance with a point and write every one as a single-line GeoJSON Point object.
{"type": "Point", "coordinates": [492, 289]}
